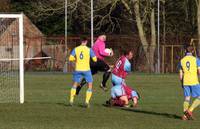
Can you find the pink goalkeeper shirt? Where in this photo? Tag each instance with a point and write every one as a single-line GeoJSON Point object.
{"type": "Point", "coordinates": [99, 49]}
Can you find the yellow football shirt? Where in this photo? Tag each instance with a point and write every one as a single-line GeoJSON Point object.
{"type": "Point", "coordinates": [189, 67]}
{"type": "Point", "coordinates": [81, 55]}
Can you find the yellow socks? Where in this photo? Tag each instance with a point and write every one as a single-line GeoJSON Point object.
{"type": "Point", "coordinates": [88, 96]}
{"type": "Point", "coordinates": [195, 104]}
{"type": "Point", "coordinates": [186, 105]}
{"type": "Point", "coordinates": [73, 93]}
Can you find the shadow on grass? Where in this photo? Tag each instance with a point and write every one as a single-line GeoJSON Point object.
{"type": "Point", "coordinates": [173, 116]}
{"type": "Point", "coordinates": [68, 105]}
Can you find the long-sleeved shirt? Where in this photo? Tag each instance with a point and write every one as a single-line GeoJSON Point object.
{"type": "Point", "coordinates": [99, 49]}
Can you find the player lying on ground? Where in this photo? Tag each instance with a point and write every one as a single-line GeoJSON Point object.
{"type": "Point", "coordinates": [100, 65]}
{"type": "Point", "coordinates": [121, 96]}
{"type": "Point", "coordinates": [189, 70]}
{"type": "Point", "coordinates": [122, 68]}
{"type": "Point", "coordinates": [81, 55]}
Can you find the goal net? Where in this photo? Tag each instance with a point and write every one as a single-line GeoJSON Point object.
{"type": "Point", "coordinates": [11, 58]}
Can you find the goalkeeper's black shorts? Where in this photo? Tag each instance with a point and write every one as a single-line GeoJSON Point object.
{"type": "Point", "coordinates": [100, 65]}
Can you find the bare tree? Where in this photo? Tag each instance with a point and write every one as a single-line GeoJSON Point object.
{"type": "Point", "coordinates": [45, 8]}
{"type": "Point", "coordinates": [198, 24]}
{"type": "Point", "coordinates": [141, 13]}
{"type": "Point", "coordinates": [149, 47]}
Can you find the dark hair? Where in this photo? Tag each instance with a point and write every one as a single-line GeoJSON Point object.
{"type": "Point", "coordinates": [127, 51]}
{"type": "Point", "coordinates": [83, 38]}
{"type": "Point", "coordinates": [189, 48]}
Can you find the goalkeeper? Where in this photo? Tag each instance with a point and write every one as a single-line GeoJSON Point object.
{"type": "Point", "coordinates": [100, 65]}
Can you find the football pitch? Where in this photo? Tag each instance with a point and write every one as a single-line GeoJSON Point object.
{"type": "Point", "coordinates": [46, 105]}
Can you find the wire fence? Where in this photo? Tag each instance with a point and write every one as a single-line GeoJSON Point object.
{"type": "Point", "coordinates": [56, 48]}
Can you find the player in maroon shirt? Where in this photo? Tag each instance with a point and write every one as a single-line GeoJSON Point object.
{"type": "Point", "coordinates": [121, 95]}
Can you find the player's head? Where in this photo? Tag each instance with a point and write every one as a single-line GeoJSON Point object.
{"type": "Point", "coordinates": [84, 40]}
{"type": "Point", "coordinates": [128, 54]}
{"type": "Point", "coordinates": [102, 37]}
{"type": "Point", "coordinates": [189, 49]}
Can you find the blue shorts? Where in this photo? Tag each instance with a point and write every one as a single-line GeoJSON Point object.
{"type": "Point", "coordinates": [117, 80]}
{"type": "Point", "coordinates": [193, 91]}
{"type": "Point", "coordinates": [117, 91]}
{"type": "Point", "coordinates": [78, 75]}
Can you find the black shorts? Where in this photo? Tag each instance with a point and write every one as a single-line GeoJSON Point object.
{"type": "Point", "coordinates": [100, 65]}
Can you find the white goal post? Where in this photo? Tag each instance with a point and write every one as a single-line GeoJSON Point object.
{"type": "Point", "coordinates": [21, 52]}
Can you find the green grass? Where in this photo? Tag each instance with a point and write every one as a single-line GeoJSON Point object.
{"type": "Point", "coordinates": [46, 99]}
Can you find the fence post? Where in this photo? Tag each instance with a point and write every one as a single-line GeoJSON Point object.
{"type": "Point", "coordinates": [163, 58]}
{"type": "Point", "coordinates": [172, 58]}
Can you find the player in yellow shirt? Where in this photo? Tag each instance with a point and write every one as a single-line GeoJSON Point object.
{"type": "Point", "coordinates": [81, 55]}
{"type": "Point", "coordinates": [189, 70]}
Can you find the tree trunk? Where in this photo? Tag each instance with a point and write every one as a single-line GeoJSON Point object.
{"type": "Point", "coordinates": [164, 22]}
{"type": "Point", "coordinates": [141, 31]}
{"type": "Point", "coordinates": [153, 40]}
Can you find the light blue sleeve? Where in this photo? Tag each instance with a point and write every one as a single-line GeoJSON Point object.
{"type": "Point", "coordinates": [127, 66]}
{"type": "Point", "coordinates": [92, 53]}
{"type": "Point", "coordinates": [134, 94]}
{"type": "Point", "coordinates": [73, 53]}
{"type": "Point", "coordinates": [198, 62]}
